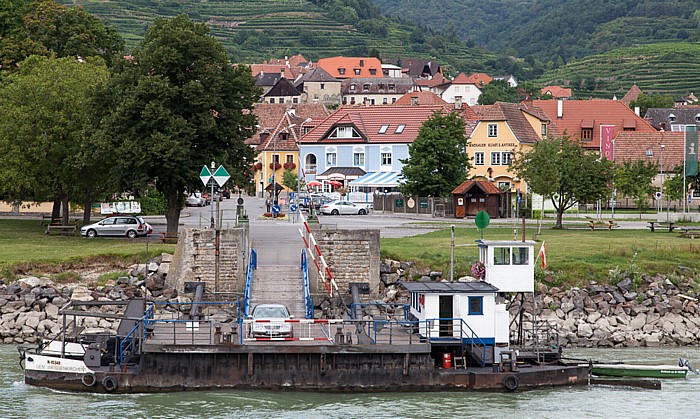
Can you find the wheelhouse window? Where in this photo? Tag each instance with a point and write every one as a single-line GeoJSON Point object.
{"type": "Point", "coordinates": [501, 255]}
{"type": "Point", "coordinates": [521, 256]}
{"type": "Point", "coordinates": [476, 306]}
{"type": "Point", "coordinates": [479, 158]}
{"type": "Point", "coordinates": [493, 130]}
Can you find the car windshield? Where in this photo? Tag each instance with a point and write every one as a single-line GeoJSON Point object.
{"type": "Point", "coordinates": [270, 313]}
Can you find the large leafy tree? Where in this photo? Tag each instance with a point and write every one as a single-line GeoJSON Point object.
{"type": "Point", "coordinates": [498, 91]}
{"type": "Point", "coordinates": [176, 106]}
{"type": "Point", "coordinates": [651, 101]}
{"type": "Point", "coordinates": [437, 161]}
{"type": "Point", "coordinates": [559, 169]}
{"type": "Point", "coordinates": [633, 179]}
{"type": "Point", "coordinates": [44, 108]}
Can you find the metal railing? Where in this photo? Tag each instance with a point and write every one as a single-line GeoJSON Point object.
{"type": "Point", "coordinates": [307, 293]}
{"type": "Point", "coordinates": [459, 330]}
{"type": "Point", "coordinates": [252, 265]}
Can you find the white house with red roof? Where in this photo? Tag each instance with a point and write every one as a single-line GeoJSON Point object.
{"type": "Point", "coordinates": [460, 90]}
{"type": "Point", "coordinates": [363, 142]}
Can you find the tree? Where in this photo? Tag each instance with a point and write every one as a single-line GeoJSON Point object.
{"type": "Point", "coordinates": [498, 91]}
{"type": "Point", "coordinates": [176, 106]}
{"type": "Point", "coordinates": [673, 184]}
{"type": "Point", "coordinates": [561, 170]}
{"type": "Point", "coordinates": [437, 160]}
{"type": "Point", "coordinates": [290, 179]}
{"type": "Point", "coordinates": [45, 114]}
{"type": "Point", "coordinates": [651, 101]}
{"type": "Point", "coordinates": [633, 179]}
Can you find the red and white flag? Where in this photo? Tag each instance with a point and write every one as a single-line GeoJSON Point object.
{"type": "Point", "coordinates": [543, 256]}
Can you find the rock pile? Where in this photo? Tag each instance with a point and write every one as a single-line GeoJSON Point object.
{"type": "Point", "coordinates": [29, 306]}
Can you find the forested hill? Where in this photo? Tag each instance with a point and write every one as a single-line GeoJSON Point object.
{"type": "Point", "coordinates": [253, 30]}
{"type": "Point", "coordinates": [555, 30]}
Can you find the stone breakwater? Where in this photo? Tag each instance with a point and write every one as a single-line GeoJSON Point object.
{"type": "Point", "coordinates": [29, 306]}
{"type": "Point", "coordinates": [651, 311]}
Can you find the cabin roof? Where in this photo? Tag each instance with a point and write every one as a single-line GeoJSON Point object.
{"type": "Point", "coordinates": [449, 287]}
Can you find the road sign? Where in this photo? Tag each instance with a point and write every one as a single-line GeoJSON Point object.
{"type": "Point", "coordinates": [293, 208]}
{"type": "Point", "coordinates": [482, 219]}
{"type": "Point", "coordinates": [205, 175]}
{"type": "Point", "coordinates": [658, 194]}
{"type": "Point", "coordinates": [221, 176]}
{"type": "Point", "coordinates": [276, 209]}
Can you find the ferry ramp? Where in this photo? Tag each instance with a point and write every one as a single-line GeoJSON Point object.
{"type": "Point", "coordinates": [278, 277]}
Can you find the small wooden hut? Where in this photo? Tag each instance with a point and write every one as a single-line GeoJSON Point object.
{"type": "Point", "coordinates": [473, 196]}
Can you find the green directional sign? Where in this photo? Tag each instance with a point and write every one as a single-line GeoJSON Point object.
{"type": "Point", "coordinates": [205, 175]}
{"type": "Point", "coordinates": [221, 176]}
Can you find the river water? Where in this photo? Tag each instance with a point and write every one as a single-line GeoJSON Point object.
{"type": "Point", "coordinates": [677, 398]}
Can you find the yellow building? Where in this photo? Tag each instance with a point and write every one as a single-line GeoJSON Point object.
{"type": "Point", "coordinates": [501, 130]}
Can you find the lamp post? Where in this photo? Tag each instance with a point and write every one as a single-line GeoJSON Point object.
{"type": "Point", "coordinates": [661, 188]}
{"type": "Point", "coordinates": [613, 181]}
{"type": "Point", "coordinates": [211, 197]}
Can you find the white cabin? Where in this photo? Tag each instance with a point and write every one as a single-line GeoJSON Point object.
{"type": "Point", "coordinates": [510, 265]}
{"type": "Point", "coordinates": [459, 310]}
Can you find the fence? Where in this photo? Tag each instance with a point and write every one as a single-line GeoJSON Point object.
{"type": "Point", "coordinates": [399, 203]}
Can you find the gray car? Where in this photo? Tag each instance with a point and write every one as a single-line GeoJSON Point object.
{"type": "Point", "coordinates": [122, 225]}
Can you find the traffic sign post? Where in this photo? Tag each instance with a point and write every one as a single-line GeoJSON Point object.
{"type": "Point", "coordinates": [219, 177]}
{"type": "Point", "coordinates": [275, 209]}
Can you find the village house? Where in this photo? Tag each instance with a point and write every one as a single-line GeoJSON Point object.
{"type": "Point", "coordinates": [420, 69]}
{"type": "Point", "coordinates": [373, 91]}
{"type": "Point", "coordinates": [556, 92]}
{"type": "Point", "coordinates": [282, 92]}
{"type": "Point", "coordinates": [318, 86]}
{"type": "Point", "coordinates": [673, 119]}
{"type": "Point", "coordinates": [348, 67]}
{"type": "Point", "coordinates": [419, 98]}
{"type": "Point", "coordinates": [460, 90]}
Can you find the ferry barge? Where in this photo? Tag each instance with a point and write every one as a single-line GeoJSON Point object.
{"type": "Point", "coordinates": [450, 337]}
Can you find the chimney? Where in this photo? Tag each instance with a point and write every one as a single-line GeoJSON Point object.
{"type": "Point", "coordinates": [414, 101]}
{"type": "Point", "coordinates": [636, 110]}
{"type": "Point", "coordinates": [560, 109]}
{"type": "Point", "coordinates": [458, 103]}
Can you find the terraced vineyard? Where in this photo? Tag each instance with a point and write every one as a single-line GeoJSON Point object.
{"type": "Point", "coordinates": [255, 30]}
{"type": "Point", "coordinates": [668, 68]}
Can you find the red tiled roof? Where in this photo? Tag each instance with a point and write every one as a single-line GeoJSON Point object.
{"type": "Point", "coordinates": [631, 145]}
{"type": "Point", "coordinates": [596, 112]}
{"type": "Point", "coordinates": [421, 98]}
{"type": "Point", "coordinates": [480, 79]}
{"type": "Point", "coordinates": [485, 186]}
{"type": "Point", "coordinates": [462, 79]}
{"type": "Point", "coordinates": [274, 119]}
{"type": "Point", "coordinates": [364, 64]}
{"type": "Point", "coordinates": [368, 120]}
{"type": "Point", "coordinates": [557, 92]}
{"type": "Point", "coordinates": [631, 95]}
{"type": "Point", "coordinates": [512, 114]}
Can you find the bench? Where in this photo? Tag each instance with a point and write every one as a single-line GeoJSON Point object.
{"type": "Point", "coordinates": [69, 229]}
{"type": "Point", "coordinates": [169, 238]}
{"type": "Point", "coordinates": [48, 219]}
{"type": "Point", "coordinates": [654, 225]}
{"type": "Point", "coordinates": [690, 232]}
{"type": "Point", "coordinates": [610, 224]}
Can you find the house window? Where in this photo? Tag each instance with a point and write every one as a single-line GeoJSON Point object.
{"type": "Point", "coordinates": [281, 100]}
{"type": "Point", "coordinates": [506, 158]}
{"type": "Point", "coordinates": [493, 130]}
{"type": "Point", "coordinates": [352, 87]}
{"type": "Point", "coordinates": [476, 306]}
{"type": "Point", "coordinates": [392, 86]}
{"type": "Point", "coordinates": [456, 89]}
{"type": "Point", "coordinates": [501, 255]}
{"type": "Point", "coordinates": [316, 96]}
{"type": "Point", "coordinates": [672, 118]}
{"type": "Point", "coordinates": [330, 159]}
{"type": "Point", "coordinates": [496, 158]}
{"type": "Point", "coordinates": [393, 100]}
{"type": "Point", "coordinates": [544, 130]}
{"type": "Point", "coordinates": [295, 100]}
{"type": "Point", "coordinates": [323, 86]}
{"type": "Point", "coordinates": [381, 86]}
{"type": "Point", "coordinates": [385, 101]}
{"type": "Point", "coordinates": [310, 164]}
{"type": "Point", "coordinates": [373, 71]}
{"type": "Point", "coordinates": [365, 86]}
{"type": "Point", "coordinates": [359, 159]}
{"type": "Point", "coordinates": [521, 256]}
{"type": "Point", "coordinates": [503, 186]}
{"type": "Point", "coordinates": [357, 71]}
{"type": "Point", "coordinates": [400, 128]}
{"type": "Point", "coordinates": [383, 128]}
{"type": "Point", "coordinates": [696, 193]}
{"type": "Point", "coordinates": [345, 132]}
{"type": "Point", "coordinates": [479, 158]}
{"type": "Point", "coordinates": [341, 71]}
{"type": "Point", "coordinates": [272, 100]}
{"type": "Point", "coordinates": [386, 159]}
{"type": "Point", "coordinates": [290, 158]}
{"type": "Point", "coordinates": [587, 134]}
{"type": "Point", "coordinates": [276, 158]}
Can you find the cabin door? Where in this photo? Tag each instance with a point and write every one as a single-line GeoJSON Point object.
{"type": "Point", "coordinates": [446, 311]}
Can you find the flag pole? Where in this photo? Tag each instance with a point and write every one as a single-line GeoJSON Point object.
{"type": "Point", "coordinates": [685, 146]}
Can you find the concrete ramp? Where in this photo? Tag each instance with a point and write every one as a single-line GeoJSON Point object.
{"type": "Point", "coordinates": [280, 284]}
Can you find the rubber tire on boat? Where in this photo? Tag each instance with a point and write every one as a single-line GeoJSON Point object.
{"type": "Point", "coordinates": [109, 383]}
{"type": "Point", "coordinates": [88, 380]}
{"type": "Point", "coordinates": [511, 382]}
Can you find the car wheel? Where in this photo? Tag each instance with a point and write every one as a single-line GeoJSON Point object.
{"type": "Point", "coordinates": [335, 212]}
{"type": "Point", "coordinates": [91, 233]}
{"type": "Point", "coordinates": [131, 234]}
{"type": "Point", "coordinates": [362, 212]}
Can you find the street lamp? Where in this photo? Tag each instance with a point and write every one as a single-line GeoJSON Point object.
{"type": "Point", "coordinates": [661, 189]}
{"type": "Point", "coordinates": [613, 181]}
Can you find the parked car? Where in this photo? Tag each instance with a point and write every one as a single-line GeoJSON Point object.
{"type": "Point", "coordinates": [195, 200]}
{"type": "Point", "coordinates": [342, 208]}
{"type": "Point", "coordinates": [121, 225]}
{"type": "Point", "coordinates": [316, 200]}
{"type": "Point", "coordinates": [226, 193]}
{"type": "Point", "coordinates": [274, 325]}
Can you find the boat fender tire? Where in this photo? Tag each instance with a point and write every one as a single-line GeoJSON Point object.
{"type": "Point", "coordinates": [511, 382]}
{"type": "Point", "coordinates": [109, 383]}
{"type": "Point", "coordinates": [88, 380]}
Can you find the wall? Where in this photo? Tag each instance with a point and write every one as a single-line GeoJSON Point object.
{"type": "Point", "coordinates": [194, 259]}
{"type": "Point", "coordinates": [352, 255]}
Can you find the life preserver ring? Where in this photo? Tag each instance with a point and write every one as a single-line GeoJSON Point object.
{"type": "Point", "coordinates": [88, 379]}
{"type": "Point", "coordinates": [109, 383]}
{"type": "Point", "coordinates": [511, 382]}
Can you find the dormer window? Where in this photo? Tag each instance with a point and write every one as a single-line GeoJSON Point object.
{"type": "Point", "coordinates": [400, 128]}
{"type": "Point", "coordinates": [362, 63]}
{"type": "Point", "coordinates": [365, 86]}
{"type": "Point", "coordinates": [697, 117]}
{"type": "Point", "coordinates": [383, 128]}
{"type": "Point", "coordinates": [392, 86]}
{"type": "Point", "coordinates": [344, 132]}
{"type": "Point", "coordinates": [357, 71]}
{"type": "Point", "coordinates": [381, 86]}
{"type": "Point", "coordinates": [341, 71]}
{"type": "Point", "coordinates": [672, 118]}
{"type": "Point", "coordinates": [352, 86]}
{"type": "Point", "coordinates": [373, 71]}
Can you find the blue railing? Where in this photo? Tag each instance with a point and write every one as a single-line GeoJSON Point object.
{"type": "Point", "coordinates": [466, 334]}
{"type": "Point", "coordinates": [307, 293]}
{"type": "Point", "coordinates": [252, 265]}
{"type": "Point", "coordinates": [127, 343]}
{"type": "Point", "coordinates": [405, 308]}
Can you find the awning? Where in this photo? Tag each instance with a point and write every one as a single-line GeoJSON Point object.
{"type": "Point", "coordinates": [341, 173]}
{"type": "Point", "coordinates": [378, 179]}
